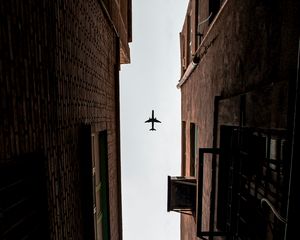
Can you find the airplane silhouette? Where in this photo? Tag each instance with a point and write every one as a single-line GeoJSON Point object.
{"type": "Point", "coordinates": [152, 120]}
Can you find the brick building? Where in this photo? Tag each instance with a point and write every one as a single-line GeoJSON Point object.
{"type": "Point", "coordinates": [59, 118]}
{"type": "Point", "coordinates": [239, 90]}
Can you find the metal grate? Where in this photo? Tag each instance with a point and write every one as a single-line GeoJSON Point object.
{"type": "Point", "coordinates": [256, 176]}
{"type": "Point", "coordinates": [248, 185]}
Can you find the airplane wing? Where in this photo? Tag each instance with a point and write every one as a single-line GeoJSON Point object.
{"type": "Point", "coordinates": [155, 120]}
{"type": "Point", "coordinates": [149, 120]}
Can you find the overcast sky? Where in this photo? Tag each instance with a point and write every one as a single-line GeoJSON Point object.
{"type": "Point", "coordinates": [149, 83]}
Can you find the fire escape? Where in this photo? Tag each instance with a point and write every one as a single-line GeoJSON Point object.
{"type": "Point", "coordinates": [249, 176]}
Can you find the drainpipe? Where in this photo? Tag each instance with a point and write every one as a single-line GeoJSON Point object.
{"type": "Point", "coordinates": [189, 71]}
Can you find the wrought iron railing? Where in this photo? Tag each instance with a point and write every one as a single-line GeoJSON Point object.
{"type": "Point", "coordinates": [248, 185]}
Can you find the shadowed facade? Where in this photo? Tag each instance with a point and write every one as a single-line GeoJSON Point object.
{"type": "Point", "coordinates": [239, 78]}
{"type": "Point", "coordinates": [59, 118]}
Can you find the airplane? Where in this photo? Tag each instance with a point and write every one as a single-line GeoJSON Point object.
{"type": "Point", "coordinates": [152, 120]}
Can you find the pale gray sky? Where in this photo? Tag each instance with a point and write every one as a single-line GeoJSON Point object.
{"type": "Point", "coordinates": [148, 157]}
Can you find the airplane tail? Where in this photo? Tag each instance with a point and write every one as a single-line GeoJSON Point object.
{"type": "Point", "coordinates": [152, 129]}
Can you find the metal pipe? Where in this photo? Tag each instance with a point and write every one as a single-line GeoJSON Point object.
{"type": "Point", "coordinates": [279, 217]}
{"type": "Point", "coordinates": [189, 71]}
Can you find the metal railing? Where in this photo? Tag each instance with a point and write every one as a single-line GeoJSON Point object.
{"type": "Point", "coordinates": [249, 168]}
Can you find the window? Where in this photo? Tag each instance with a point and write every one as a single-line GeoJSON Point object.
{"type": "Point", "coordinates": [214, 6]}
{"type": "Point", "coordinates": [23, 198]}
{"type": "Point", "coordinates": [198, 26]}
{"type": "Point", "coordinates": [183, 148]}
{"type": "Point", "coordinates": [183, 54]}
{"type": "Point", "coordinates": [100, 185]}
{"type": "Point", "coordinates": [193, 148]}
{"type": "Point", "coordinates": [189, 39]}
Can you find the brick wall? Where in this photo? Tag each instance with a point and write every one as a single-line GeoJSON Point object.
{"type": "Point", "coordinates": [120, 14]}
{"type": "Point", "coordinates": [59, 70]}
{"type": "Point", "coordinates": [244, 53]}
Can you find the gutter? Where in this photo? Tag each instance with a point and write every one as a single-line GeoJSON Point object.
{"type": "Point", "coordinates": [188, 71]}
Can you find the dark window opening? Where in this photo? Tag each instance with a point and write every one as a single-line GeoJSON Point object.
{"type": "Point", "coordinates": [100, 185]}
{"type": "Point", "coordinates": [103, 145]}
{"type": "Point", "coordinates": [86, 180]}
{"type": "Point", "coordinates": [183, 53]}
{"type": "Point", "coordinates": [23, 198]}
{"type": "Point", "coordinates": [199, 34]}
{"type": "Point", "coordinates": [189, 39]}
{"type": "Point", "coordinates": [94, 183]}
{"type": "Point", "coordinates": [214, 6]}
{"type": "Point", "coordinates": [193, 150]}
{"type": "Point", "coordinates": [183, 148]}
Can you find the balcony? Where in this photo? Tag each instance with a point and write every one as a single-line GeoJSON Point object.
{"type": "Point", "coordinates": [182, 195]}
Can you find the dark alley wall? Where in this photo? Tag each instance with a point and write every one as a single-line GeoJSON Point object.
{"type": "Point", "coordinates": [59, 68]}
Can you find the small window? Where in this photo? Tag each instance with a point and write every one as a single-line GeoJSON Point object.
{"type": "Point", "coordinates": [100, 185]}
{"type": "Point", "coordinates": [214, 6]}
{"type": "Point", "coordinates": [199, 34]}
{"type": "Point", "coordinates": [183, 148]}
{"type": "Point", "coordinates": [189, 39]}
{"type": "Point", "coordinates": [193, 148]}
{"type": "Point", "coordinates": [183, 57]}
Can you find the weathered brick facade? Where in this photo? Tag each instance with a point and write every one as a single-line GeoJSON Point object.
{"type": "Point", "coordinates": [247, 57]}
{"type": "Point", "coordinates": [59, 70]}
